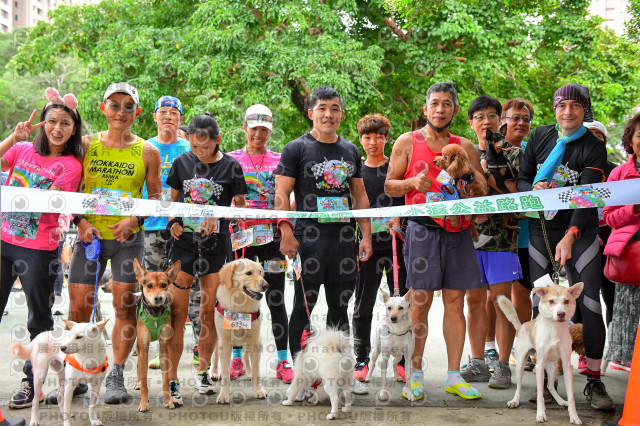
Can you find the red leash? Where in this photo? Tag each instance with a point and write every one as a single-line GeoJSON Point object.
{"type": "Point", "coordinates": [395, 231]}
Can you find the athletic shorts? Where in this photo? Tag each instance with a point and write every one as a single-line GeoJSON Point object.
{"type": "Point", "coordinates": [203, 262]}
{"type": "Point", "coordinates": [326, 259]}
{"type": "Point", "coordinates": [498, 267]}
{"type": "Point", "coordinates": [155, 246]}
{"type": "Point", "coordinates": [523, 255]}
{"type": "Point", "coordinates": [438, 259]}
{"type": "Point", "coordinates": [83, 271]}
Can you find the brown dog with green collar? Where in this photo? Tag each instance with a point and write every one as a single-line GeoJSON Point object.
{"type": "Point", "coordinates": [153, 314]}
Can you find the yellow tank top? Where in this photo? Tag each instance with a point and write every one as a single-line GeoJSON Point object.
{"type": "Point", "coordinates": [109, 173]}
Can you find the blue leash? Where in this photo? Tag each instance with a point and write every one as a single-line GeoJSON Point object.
{"type": "Point", "coordinates": [92, 252]}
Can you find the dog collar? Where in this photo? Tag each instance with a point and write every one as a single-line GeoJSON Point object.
{"type": "Point", "coordinates": [395, 334]}
{"type": "Point", "coordinates": [254, 315]}
{"type": "Point", "coordinates": [72, 361]}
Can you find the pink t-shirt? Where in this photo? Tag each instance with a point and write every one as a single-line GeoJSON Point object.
{"type": "Point", "coordinates": [259, 174]}
{"type": "Point", "coordinates": [28, 169]}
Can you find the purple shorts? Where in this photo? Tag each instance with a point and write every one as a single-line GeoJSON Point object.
{"type": "Point", "coordinates": [437, 260]}
{"type": "Point", "coordinates": [499, 267]}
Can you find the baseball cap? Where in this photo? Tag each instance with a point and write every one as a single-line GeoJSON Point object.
{"type": "Point", "coordinates": [122, 87]}
{"type": "Point", "coordinates": [259, 115]}
{"type": "Point", "coordinates": [168, 101]}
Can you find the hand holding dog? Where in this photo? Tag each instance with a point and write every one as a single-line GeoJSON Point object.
{"type": "Point", "coordinates": [421, 182]}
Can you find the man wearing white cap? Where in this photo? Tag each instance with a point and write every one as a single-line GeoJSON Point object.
{"type": "Point", "coordinates": [258, 165]}
{"type": "Point", "coordinates": [117, 163]}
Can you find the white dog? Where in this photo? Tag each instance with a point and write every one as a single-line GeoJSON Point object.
{"type": "Point", "coordinates": [326, 360]}
{"type": "Point", "coordinates": [549, 336]}
{"type": "Point", "coordinates": [83, 349]}
{"type": "Point", "coordinates": [393, 336]}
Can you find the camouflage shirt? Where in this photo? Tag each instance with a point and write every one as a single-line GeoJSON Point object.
{"type": "Point", "coordinates": [500, 239]}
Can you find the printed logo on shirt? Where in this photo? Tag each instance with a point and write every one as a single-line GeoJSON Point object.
{"type": "Point", "coordinates": [201, 191]}
{"type": "Point", "coordinates": [261, 188]}
{"type": "Point", "coordinates": [111, 170]}
{"type": "Point", "coordinates": [25, 224]}
{"type": "Point", "coordinates": [333, 175]}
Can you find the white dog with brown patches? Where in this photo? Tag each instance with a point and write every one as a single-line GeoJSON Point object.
{"type": "Point", "coordinates": [77, 355]}
{"type": "Point", "coordinates": [237, 319]}
{"type": "Point", "coordinates": [548, 334]}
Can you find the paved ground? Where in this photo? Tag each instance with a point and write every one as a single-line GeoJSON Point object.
{"type": "Point", "coordinates": [438, 408]}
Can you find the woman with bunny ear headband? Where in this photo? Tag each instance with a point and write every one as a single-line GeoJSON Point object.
{"type": "Point", "coordinates": [30, 240]}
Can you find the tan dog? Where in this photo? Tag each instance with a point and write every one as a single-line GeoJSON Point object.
{"type": "Point", "coordinates": [548, 335]}
{"type": "Point", "coordinates": [241, 285]}
{"type": "Point", "coordinates": [154, 323]}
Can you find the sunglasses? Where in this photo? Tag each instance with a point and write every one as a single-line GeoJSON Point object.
{"type": "Point", "coordinates": [259, 117]}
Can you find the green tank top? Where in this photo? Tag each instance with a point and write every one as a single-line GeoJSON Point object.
{"type": "Point", "coordinates": [108, 173]}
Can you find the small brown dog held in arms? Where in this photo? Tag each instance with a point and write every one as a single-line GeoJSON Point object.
{"type": "Point", "coordinates": [469, 182]}
{"type": "Point", "coordinates": [153, 314]}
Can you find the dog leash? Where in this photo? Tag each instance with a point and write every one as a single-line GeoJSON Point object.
{"type": "Point", "coordinates": [396, 232]}
{"type": "Point", "coordinates": [554, 264]}
{"type": "Point", "coordinates": [92, 252]}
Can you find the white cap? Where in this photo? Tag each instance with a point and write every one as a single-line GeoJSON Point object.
{"type": "Point", "coordinates": [122, 87]}
{"type": "Point", "coordinates": [259, 115]}
{"type": "Point", "coordinates": [598, 126]}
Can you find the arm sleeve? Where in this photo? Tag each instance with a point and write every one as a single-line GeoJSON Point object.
{"type": "Point", "coordinates": [69, 179]}
{"type": "Point", "coordinates": [289, 161]}
{"type": "Point", "coordinates": [527, 171]}
{"type": "Point", "coordinates": [595, 164]}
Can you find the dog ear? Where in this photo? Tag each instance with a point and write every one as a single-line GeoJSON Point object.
{"type": "Point", "coordinates": [226, 274]}
{"type": "Point", "coordinates": [456, 167]}
{"type": "Point", "coordinates": [488, 135]}
{"type": "Point", "coordinates": [173, 271]}
{"type": "Point", "coordinates": [102, 324]}
{"type": "Point", "coordinates": [138, 269]}
{"type": "Point", "coordinates": [68, 323]}
{"type": "Point", "coordinates": [540, 291]}
{"type": "Point", "coordinates": [407, 296]}
{"type": "Point", "coordinates": [576, 289]}
{"type": "Point", "coordinates": [503, 129]}
{"type": "Point", "coordinates": [385, 296]}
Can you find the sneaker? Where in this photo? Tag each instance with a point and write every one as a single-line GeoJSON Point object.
{"type": "Point", "coordinates": [401, 372]}
{"type": "Point", "coordinates": [24, 397]}
{"type": "Point", "coordinates": [597, 395]}
{"type": "Point", "coordinates": [237, 368]}
{"type": "Point", "coordinates": [582, 365]}
{"type": "Point", "coordinates": [359, 388]}
{"type": "Point", "coordinates": [116, 392]}
{"type": "Point", "coordinates": [52, 397]}
{"type": "Point", "coordinates": [284, 371]}
{"type": "Point", "coordinates": [491, 358]}
{"type": "Point", "coordinates": [530, 364]}
{"type": "Point", "coordinates": [176, 396]}
{"type": "Point", "coordinates": [188, 321]}
{"type": "Point", "coordinates": [204, 385]}
{"type": "Point", "coordinates": [475, 371]}
{"type": "Point", "coordinates": [624, 366]}
{"type": "Point", "coordinates": [154, 364]}
{"type": "Point", "coordinates": [360, 371]}
{"type": "Point", "coordinates": [501, 377]}
{"type": "Point", "coordinates": [196, 355]}
{"type": "Point", "coordinates": [548, 398]}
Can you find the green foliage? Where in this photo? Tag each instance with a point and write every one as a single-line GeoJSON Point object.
{"type": "Point", "coordinates": [223, 56]}
{"type": "Point", "coordinates": [632, 26]}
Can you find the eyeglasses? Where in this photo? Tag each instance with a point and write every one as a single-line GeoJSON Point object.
{"type": "Point", "coordinates": [517, 118]}
{"type": "Point", "coordinates": [258, 117]}
{"type": "Point", "coordinates": [127, 108]}
{"type": "Point", "coordinates": [480, 118]}
{"type": "Point", "coordinates": [173, 113]}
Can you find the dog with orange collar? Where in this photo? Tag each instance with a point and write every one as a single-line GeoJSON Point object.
{"type": "Point", "coordinates": [77, 354]}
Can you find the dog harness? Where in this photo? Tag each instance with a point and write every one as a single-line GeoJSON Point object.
{"type": "Point", "coordinates": [72, 361]}
{"type": "Point", "coordinates": [254, 315]}
{"type": "Point", "coordinates": [464, 181]}
{"type": "Point", "coordinates": [153, 324]}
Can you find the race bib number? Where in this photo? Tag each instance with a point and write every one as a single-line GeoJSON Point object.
{"type": "Point", "coordinates": [236, 321]}
{"type": "Point", "coordinates": [379, 224]}
{"type": "Point", "coordinates": [275, 266]}
{"type": "Point", "coordinates": [444, 177]}
{"type": "Point", "coordinates": [241, 239]}
{"type": "Point", "coordinates": [192, 224]}
{"type": "Point", "coordinates": [262, 234]}
{"type": "Point", "coordinates": [332, 204]}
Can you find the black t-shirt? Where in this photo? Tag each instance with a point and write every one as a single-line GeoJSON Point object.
{"type": "Point", "coordinates": [374, 178]}
{"type": "Point", "coordinates": [584, 162]}
{"type": "Point", "coordinates": [213, 184]}
{"type": "Point", "coordinates": [322, 172]}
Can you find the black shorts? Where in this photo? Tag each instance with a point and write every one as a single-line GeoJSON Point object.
{"type": "Point", "coordinates": [523, 255]}
{"type": "Point", "coordinates": [200, 262]}
{"type": "Point", "coordinates": [326, 259]}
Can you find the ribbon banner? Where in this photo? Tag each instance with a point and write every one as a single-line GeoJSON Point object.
{"type": "Point", "coordinates": [16, 199]}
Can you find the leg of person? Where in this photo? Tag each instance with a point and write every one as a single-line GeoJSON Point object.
{"type": "Point", "coordinates": [37, 273]}
{"type": "Point", "coordinates": [476, 369]}
{"type": "Point", "coordinates": [521, 290]}
{"type": "Point", "coordinates": [402, 287]}
{"type": "Point", "coordinates": [194, 316]}
{"type": "Point", "coordinates": [57, 285]}
{"type": "Point", "coordinates": [490, 348]}
{"type": "Point", "coordinates": [209, 282]}
{"type": "Point", "coordinates": [608, 288]}
{"type": "Point", "coordinates": [366, 293]}
{"type": "Point", "coordinates": [584, 266]}
{"type": "Point", "coordinates": [624, 326]}
{"type": "Point", "coordinates": [7, 275]}
{"type": "Point", "coordinates": [125, 284]}
{"type": "Point", "coordinates": [299, 321]}
{"type": "Point", "coordinates": [340, 282]}
{"type": "Point", "coordinates": [338, 296]}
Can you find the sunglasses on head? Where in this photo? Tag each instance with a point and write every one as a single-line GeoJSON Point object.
{"type": "Point", "coordinates": [259, 117]}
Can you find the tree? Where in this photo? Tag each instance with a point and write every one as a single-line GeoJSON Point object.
{"type": "Point", "coordinates": [222, 56]}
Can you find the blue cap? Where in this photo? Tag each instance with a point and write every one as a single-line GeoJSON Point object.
{"type": "Point", "coordinates": [168, 101]}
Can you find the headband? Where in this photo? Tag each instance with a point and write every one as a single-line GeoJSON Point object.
{"type": "Point", "coordinates": [68, 100]}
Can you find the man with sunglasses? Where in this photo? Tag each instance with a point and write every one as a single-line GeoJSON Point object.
{"type": "Point", "coordinates": [117, 163]}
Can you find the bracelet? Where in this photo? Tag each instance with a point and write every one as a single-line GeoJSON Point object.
{"type": "Point", "coordinates": [575, 231]}
{"type": "Point", "coordinates": [77, 219]}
